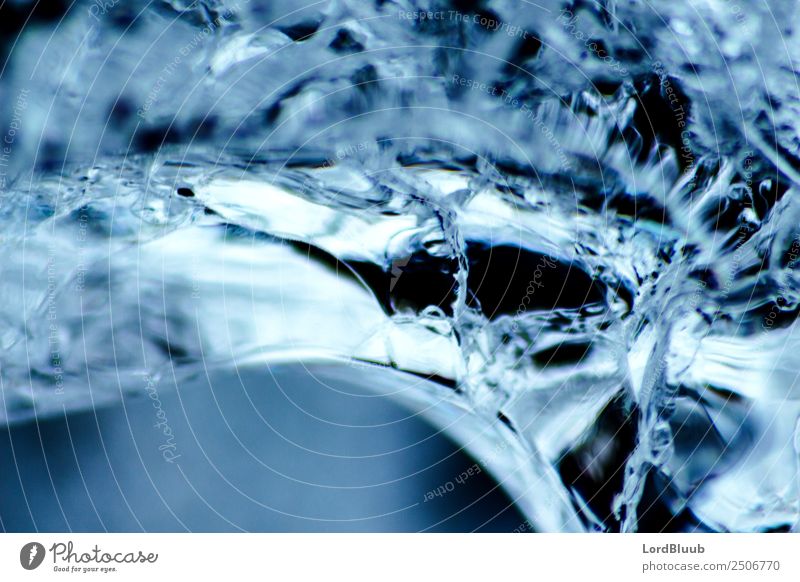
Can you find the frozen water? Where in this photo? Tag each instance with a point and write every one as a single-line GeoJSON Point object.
{"type": "Point", "coordinates": [579, 220]}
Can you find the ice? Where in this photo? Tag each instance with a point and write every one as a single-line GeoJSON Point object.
{"type": "Point", "coordinates": [579, 220]}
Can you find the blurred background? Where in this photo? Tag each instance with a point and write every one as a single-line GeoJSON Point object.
{"type": "Point", "coordinates": [265, 261]}
{"type": "Point", "coordinates": [281, 449]}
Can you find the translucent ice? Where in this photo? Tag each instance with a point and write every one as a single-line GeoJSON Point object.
{"type": "Point", "coordinates": [578, 220]}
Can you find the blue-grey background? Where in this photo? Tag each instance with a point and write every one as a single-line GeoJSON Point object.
{"type": "Point", "coordinates": [259, 451]}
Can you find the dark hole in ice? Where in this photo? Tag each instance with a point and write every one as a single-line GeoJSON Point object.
{"type": "Point", "coordinates": [626, 295]}
{"type": "Point", "coordinates": [654, 513]}
{"type": "Point", "coordinates": [705, 277]}
{"type": "Point", "coordinates": [15, 16]}
{"type": "Point", "coordinates": [467, 5]}
{"type": "Point", "coordinates": [487, 19]}
{"type": "Point", "coordinates": [203, 127]}
{"type": "Point", "coordinates": [527, 48]}
{"type": "Point", "coordinates": [639, 207]}
{"type": "Point", "coordinates": [506, 421]}
{"type": "Point", "coordinates": [185, 192]}
{"type": "Point", "coordinates": [170, 349]}
{"type": "Point", "coordinates": [776, 313]}
{"type": "Point", "coordinates": [422, 280]}
{"type": "Point", "coordinates": [121, 111]}
{"type": "Point", "coordinates": [441, 380]}
{"type": "Point", "coordinates": [607, 86]}
{"type": "Point", "coordinates": [663, 106]}
{"type": "Point", "coordinates": [505, 279]}
{"type": "Point", "coordinates": [602, 49]}
{"type": "Point", "coordinates": [345, 42]}
{"type": "Point", "coordinates": [150, 139]}
{"type": "Point", "coordinates": [365, 80]}
{"type": "Point", "coordinates": [301, 31]}
{"type": "Point", "coordinates": [124, 17]}
{"type": "Point", "coordinates": [366, 88]}
{"type": "Point", "coordinates": [595, 468]}
{"type": "Point", "coordinates": [562, 354]}
{"type": "Point", "coordinates": [51, 157]}
{"type": "Point", "coordinates": [273, 112]}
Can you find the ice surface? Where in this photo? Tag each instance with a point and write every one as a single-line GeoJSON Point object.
{"type": "Point", "coordinates": [581, 217]}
